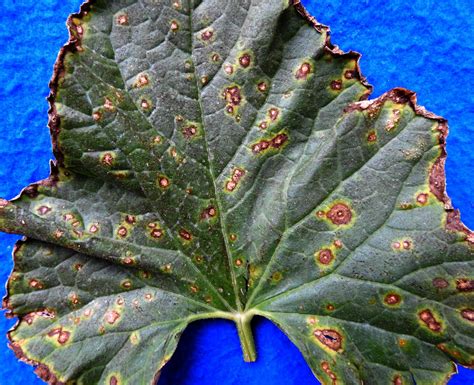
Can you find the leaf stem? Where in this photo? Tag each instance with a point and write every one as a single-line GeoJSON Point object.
{"type": "Point", "coordinates": [247, 343]}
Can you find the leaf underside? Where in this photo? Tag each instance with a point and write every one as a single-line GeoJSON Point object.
{"type": "Point", "coordinates": [220, 159]}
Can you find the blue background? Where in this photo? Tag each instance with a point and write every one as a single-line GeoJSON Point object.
{"type": "Point", "coordinates": [424, 45]}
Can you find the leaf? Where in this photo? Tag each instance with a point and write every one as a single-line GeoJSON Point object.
{"type": "Point", "coordinates": [223, 161]}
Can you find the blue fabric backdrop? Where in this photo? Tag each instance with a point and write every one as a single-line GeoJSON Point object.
{"type": "Point", "coordinates": [424, 45]}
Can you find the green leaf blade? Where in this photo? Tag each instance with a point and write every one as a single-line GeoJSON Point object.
{"type": "Point", "coordinates": [223, 162]}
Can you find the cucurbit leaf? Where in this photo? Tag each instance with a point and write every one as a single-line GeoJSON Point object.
{"type": "Point", "coordinates": [221, 160]}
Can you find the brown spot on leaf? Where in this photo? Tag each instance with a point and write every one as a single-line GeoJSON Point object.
{"type": "Point", "coordinates": [156, 233]}
{"type": "Point", "coordinates": [164, 182]}
{"type": "Point", "coordinates": [113, 381]}
{"type": "Point", "coordinates": [276, 142]}
{"type": "Point", "coordinates": [392, 299]}
{"type": "Point", "coordinates": [209, 212]}
{"type": "Point", "coordinates": [326, 368]}
{"type": "Point", "coordinates": [35, 284]}
{"type": "Point", "coordinates": [273, 113]}
{"type": "Point", "coordinates": [74, 299]}
{"type": "Point", "coordinates": [122, 232]}
{"type": "Point", "coordinates": [331, 338]}
{"type": "Point", "coordinates": [262, 86]}
{"type": "Point", "coordinates": [145, 104]}
{"type": "Point", "coordinates": [371, 137]}
{"type": "Point", "coordinates": [233, 237]}
{"type": "Point", "coordinates": [207, 34]}
{"type": "Point", "coordinates": [68, 217]}
{"type": "Point", "coordinates": [263, 125]}
{"type": "Point", "coordinates": [215, 57]}
{"type": "Point", "coordinates": [397, 380]}
{"type": "Point", "coordinates": [130, 219]}
{"type": "Point", "coordinates": [78, 266]}
{"type": "Point", "coordinates": [148, 296]}
{"type": "Point", "coordinates": [111, 317]}
{"type": "Point", "coordinates": [465, 284]}
{"type": "Point", "coordinates": [93, 228]}
{"type": "Point", "coordinates": [107, 159]}
{"type": "Point", "coordinates": [325, 256]}
{"type": "Point", "coordinates": [406, 244]}
{"type": "Point", "coordinates": [393, 121]}
{"type": "Point", "coordinates": [108, 105]}
{"type": "Point", "coordinates": [127, 284]}
{"type": "Point", "coordinates": [174, 26]}
{"type": "Point", "coordinates": [245, 60]}
{"type": "Point", "coordinates": [320, 214]}
{"type": "Point", "coordinates": [236, 176]}
{"type": "Point", "coordinates": [260, 146]}
{"type": "Point", "coordinates": [228, 69]}
{"type": "Point", "coordinates": [186, 235]}
{"type": "Point", "coordinates": [468, 314]}
{"type": "Point", "coordinates": [337, 243]}
{"type": "Point", "coordinates": [145, 274]}
{"type": "Point", "coordinates": [304, 71]}
{"type": "Point", "coordinates": [440, 283]}
{"type": "Point", "coordinates": [189, 131]}
{"type": "Point", "coordinates": [330, 307]}
{"type": "Point", "coordinates": [230, 185]}
{"type": "Point", "coordinates": [279, 140]}
{"type": "Point", "coordinates": [142, 80]}
{"type": "Point", "coordinates": [173, 152]}
{"type": "Point", "coordinates": [122, 19]}
{"type": "Point", "coordinates": [429, 320]}
{"type": "Point", "coordinates": [30, 317]}
{"type": "Point", "coordinates": [238, 262]}
{"type": "Point", "coordinates": [350, 74]}
{"type": "Point", "coordinates": [62, 335]}
{"type": "Point", "coordinates": [422, 198]}
{"type": "Point", "coordinates": [96, 116]}
{"type": "Point", "coordinates": [336, 85]}
{"type": "Point", "coordinates": [233, 96]}
{"type": "Point", "coordinates": [128, 261]}
{"type": "Point", "coordinates": [3, 203]}
{"type": "Point", "coordinates": [339, 214]}
{"type": "Point", "coordinates": [194, 289]}
{"type": "Point", "coordinates": [58, 234]}
{"type": "Point", "coordinates": [43, 210]}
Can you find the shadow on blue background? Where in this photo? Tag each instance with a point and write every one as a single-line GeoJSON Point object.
{"type": "Point", "coordinates": [424, 45]}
